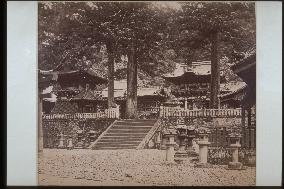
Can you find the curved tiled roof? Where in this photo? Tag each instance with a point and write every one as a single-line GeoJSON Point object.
{"type": "Point", "coordinates": [87, 95]}
{"type": "Point", "coordinates": [250, 58]}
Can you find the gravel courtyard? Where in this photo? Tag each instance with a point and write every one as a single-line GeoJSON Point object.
{"type": "Point", "coordinates": [131, 167]}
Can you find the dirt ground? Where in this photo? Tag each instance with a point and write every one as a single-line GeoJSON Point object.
{"type": "Point", "coordinates": [131, 167]}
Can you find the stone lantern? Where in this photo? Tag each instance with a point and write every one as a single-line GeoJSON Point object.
{"type": "Point", "coordinates": [181, 154]}
{"type": "Point", "coordinates": [203, 144]}
{"type": "Point", "coordinates": [70, 143]}
{"type": "Point", "coordinates": [190, 136]}
{"type": "Point", "coordinates": [92, 135]}
{"type": "Point", "coordinates": [235, 139]}
{"type": "Point", "coordinates": [80, 143]}
{"type": "Point", "coordinates": [61, 140]}
{"type": "Point", "coordinates": [170, 152]}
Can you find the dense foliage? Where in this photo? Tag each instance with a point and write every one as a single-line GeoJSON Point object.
{"type": "Point", "coordinates": [78, 33]}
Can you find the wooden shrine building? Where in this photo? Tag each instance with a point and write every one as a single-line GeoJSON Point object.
{"type": "Point", "coordinates": [149, 99]}
{"type": "Point", "coordinates": [74, 88]}
{"type": "Point", "coordinates": [246, 69]}
{"type": "Point", "coordinates": [191, 86]}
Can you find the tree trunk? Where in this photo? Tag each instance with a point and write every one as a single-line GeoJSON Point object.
{"type": "Point", "coordinates": [131, 102]}
{"type": "Point", "coordinates": [111, 54]}
{"type": "Point", "coordinates": [40, 129]}
{"type": "Point", "coordinates": [215, 72]}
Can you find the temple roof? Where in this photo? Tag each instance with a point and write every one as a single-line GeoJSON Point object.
{"type": "Point", "coordinates": [233, 90]}
{"type": "Point", "coordinates": [44, 81]}
{"type": "Point", "coordinates": [197, 72]}
{"type": "Point", "coordinates": [86, 76]}
{"type": "Point", "coordinates": [246, 69]}
{"type": "Point", "coordinates": [86, 95]}
{"type": "Point", "coordinates": [228, 90]}
{"type": "Point", "coordinates": [197, 68]}
{"type": "Point", "coordinates": [120, 90]}
{"type": "Point", "coordinates": [232, 87]}
{"type": "Point", "coordinates": [249, 59]}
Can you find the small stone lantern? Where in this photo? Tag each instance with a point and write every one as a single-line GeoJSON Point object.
{"type": "Point", "coordinates": [61, 140]}
{"type": "Point", "coordinates": [190, 136]}
{"type": "Point", "coordinates": [70, 143]}
{"type": "Point", "coordinates": [92, 135]}
{"type": "Point", "coordinates": [203, 144]}
{"type": "Point", "coordinates": [181, 154]}
{"type": "Point", "coordinates": [170, 152]}
{"type": "Point", "coordinates": [235, 145]}
{"type": "Point", "coordinates": [158, 140]}
{"type": "Point", "coordinates": [80, 143]}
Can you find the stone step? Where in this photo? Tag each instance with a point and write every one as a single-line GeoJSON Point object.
{"type": "Point", "coordinates": [114, 148]}
{"type": "Point", "coordinates": [142, 123]}
{"type": "Point", "coordinates": [120, 139]}
{"type": "Point", "coordinates": [126, 134]}
{"type": "Point", "coordinates": [128, 130]}
{"type": "Point", "coordinates": [114, 143]}
{"type": "Point", "coordinates": [131, 127]}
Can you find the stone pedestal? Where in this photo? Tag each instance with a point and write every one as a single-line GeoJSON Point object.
{"type": "Point", "coordinates": [203, 144]}
{"type": "Point", "coordinates": [81, 142]}
{"type": "Point", "coordinates": [158, 141]}
{"type": "Point", "coordinates": [170, 150]}
{"type": "Point", "coordinates": [181, 154]}
{"type": "Point", "coordinates": [190, 136]}
{"type": "Point", "coordinates": [61, 141]}
{"type": "Point", "coordinates": [70, 144]}
{"type": "Point", "coordinates": [164, 143]}
{"type": "Point", "coordinates": [235, 145]}
{"type": "Point", "coordinates": [190, 150]}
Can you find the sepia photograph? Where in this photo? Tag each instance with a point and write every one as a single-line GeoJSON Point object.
{"type": "Point", "coordinates": [146, 93]}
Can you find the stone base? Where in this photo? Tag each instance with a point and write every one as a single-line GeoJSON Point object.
{"type": "Point", "coordinates": [250, 161]}
{"type": "Point", "coordinates": [236, 166]}
{"type": "Point", "coordinates": [203, 165]}
{"type": "Point", "coordinates": [180, 156]}
{"type": "Point", "coordinates": [163, 147]}
{"type": "Point", "coordinates": [169, 163]}
{"type": "Point", "coordinates": [192, 153]}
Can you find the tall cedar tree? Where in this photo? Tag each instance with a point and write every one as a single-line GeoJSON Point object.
{"type": "Point", "coordinates": [207, 24]}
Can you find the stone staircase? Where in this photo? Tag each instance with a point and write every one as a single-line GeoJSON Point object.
{"type": "Point", "coordinates": [126, 134]}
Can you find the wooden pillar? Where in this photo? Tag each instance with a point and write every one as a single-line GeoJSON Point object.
{"type": "Point", "coordinates": [215, 71]}
{"type": "Point", "coordinates": [40, 129]}
{"type": "Point", "coordinates": [131, 101]}
{"type": "Point", "coordinates": [243, 121]}
{"type": "Point", "coordinates": [249, 127]}
{"type": "Point", "coordinates": [185, 104]}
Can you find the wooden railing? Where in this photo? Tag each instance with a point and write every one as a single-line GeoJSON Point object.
{"type": "Point", "coordinates": [108, 113]}
{"type": "Point", "coordinates": [149, 109]}
{"type": "Point", "coordinates": [180, 112]}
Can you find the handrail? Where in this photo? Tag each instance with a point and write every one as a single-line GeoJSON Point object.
{"type": "Point", "coordinates": [149, 135]}
{"type": "Point", "coordinates": [91, 146]}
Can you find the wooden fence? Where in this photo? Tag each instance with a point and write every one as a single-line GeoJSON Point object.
{"type": "Point", "coordinates": [218, 137]}
{"type": "Point", "coordinates": [52, 128]}
{"type": "Point", "coordinates": [108, 113]}
{"type": "Point", "coordinates": [179, 112]}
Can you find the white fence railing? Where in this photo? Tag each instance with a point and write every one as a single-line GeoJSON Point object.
{"type": "Point", "coordinates": [108, 113]}
{"type": "Point", "coordinates": [179, 112]}
{"type": "Point", "coordinates": [163, 112]}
